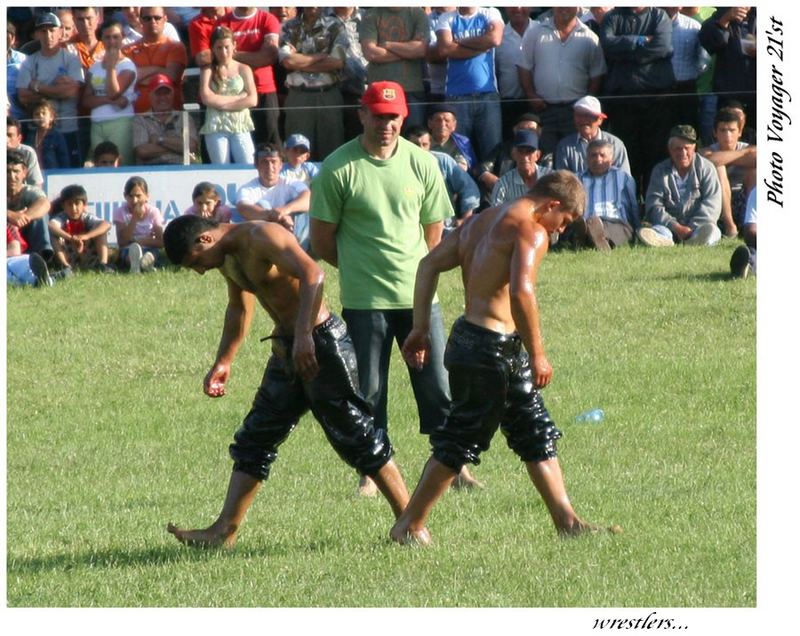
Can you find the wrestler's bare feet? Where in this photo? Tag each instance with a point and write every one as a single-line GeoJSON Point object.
{"type": "Point", "coordinates": [211, 537]}
{"type": "Point", "coordinates": [404, 536]}
{"type": "Point", "coordinates": [579, 527]}
{"type": "Point", "coordinates": [367, 487]}
{"type": "Point", "coordinates": [465, 481]}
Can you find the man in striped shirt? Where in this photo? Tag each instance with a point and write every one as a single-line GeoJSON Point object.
{"type": "Point", "coordinates": [515, 183]}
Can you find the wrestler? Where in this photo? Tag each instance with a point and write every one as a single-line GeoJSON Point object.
{"type": "Point", "coordinates": [495, 354]}
{"type": "Point", "coordinates": [312, 365]}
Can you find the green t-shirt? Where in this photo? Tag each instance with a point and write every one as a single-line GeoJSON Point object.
{"type": "Point", "coordinates": [380, 206]}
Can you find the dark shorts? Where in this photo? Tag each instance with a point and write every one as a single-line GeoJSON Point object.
{"type": "Point", "coordinates": [333, 397]}
{"type": "Point", "coordinates": [492, 385]}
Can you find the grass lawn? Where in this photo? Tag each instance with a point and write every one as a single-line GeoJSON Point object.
{"type": "Point", "coordinates": [109, 437]}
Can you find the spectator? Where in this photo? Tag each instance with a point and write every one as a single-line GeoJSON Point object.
{"type": "Point", "coordinates": [748, 134]}
{"type": "Point", "coordinates": [110, 92]}
{"type": "Point", "coordinates": [134, 27]}
{"type": "Point", "coordinates": [707, 98]}
{"type": "Point", "coordinates": [14, 60]}
{"type": "Point", "coordinates": [33, 174]}
{"type": "Point", "coordinates": [27, 207]}
{"type": "Point", "coordinates": [140, 228]}
{"type": "Point", "coordinates": [256, 33]}
{"type": "Point", "coordinates": [180, 18]}
{"type": "Point", "coordinates": [89, 49]}
{"type": "Point", "coordinates": [571, 150]}
{"type": "Point", "coordinates": [689, 60]}
{"type": "Point", "coordinates": [158, 134]}
{"type": "Point", "coordinates": [611, 217]}
{"type": "Point", "coordinates": [436, 63]}
{"type": "Point", "coordinates": [442, 123]}
{"type": "Point", "coordinates": [513, 101]}
{"type": "Point", "coordinates": [562, 42]}
{"type": "Point", "coordinates": [683, 199]}
{"type": "Point", "coordinates": [395, 41]}
{"type": "Point", "coordinates": [743, 259]}
{"type": "Point", "coordinates": [228, 90]}
{"type": "Point", "coordinates": [467, 37]}
{"type": "Point", "coordinates": [54, 73]}
{"type": "Point", "coordinates": [313, 51]}
{"type": "Point", "coordinates": [637, 42]}
{"type": "Point", "coordinates": [199, 31]}
{"type": "Point", "coordinates": [24, 269]}
{"type": "Point", "coordinates": [354, 73]}
{"type": "Point", "coordinates": [283, 13]}
{"type": "Point", "coordinates": [730, 35]}
{"type": "Point", "coordinates": [208, 205]}
{"type": "Point", "coordinates": [735, 161]}
{"type": "Point", "coordinates": [106, 155]}
{"type": "Point", "coordinates": [463, 190]}
{"type": "Point", "coordinates": [79, 237]}
{"type": "Point", "coordinates": [267, 198]}
{"type": "Point", "coordinates": [515, 183]}
{"type": "Point", "coordinates": [50, 145]}
{"type": "Point", "coordinates": [501, 160]}
{"type": "Point", "coordinates": [155, 54]}
{"type": "Point", "coordinates": [68, 31]}
{"type": "Point", "coordinates": [297, 166]}
{"type": "Point", "coordinates": [594, 18]}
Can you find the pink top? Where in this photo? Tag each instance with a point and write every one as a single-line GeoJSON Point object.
{"type": "Point", "coordinates": [222, 213]}
{"type": "Point", "coordinates": [144, 228]}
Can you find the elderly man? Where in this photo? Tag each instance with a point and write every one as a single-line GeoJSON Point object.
{"type": "Point", "coordinates": [158, 134]}
{"type": "Point", "coordinates": [571, 150]}
{"type": "Point", "coordinates": [442, 123]}
{"type": "Point", "coordinates": [516, 183]}
{"type": "Point", "coordinates": [684, 198]}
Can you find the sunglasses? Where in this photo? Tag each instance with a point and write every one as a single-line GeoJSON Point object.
{"type": "Point", "coordinates": [151, 18]}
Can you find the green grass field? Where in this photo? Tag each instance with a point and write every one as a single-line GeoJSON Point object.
{"type": "Point", "coordinates": [110, 437]}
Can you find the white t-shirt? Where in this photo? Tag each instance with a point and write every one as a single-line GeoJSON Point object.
{"type": "Point", "coordinates": [97, 78]}
{"type": "Point", "coordinates": [254, 193]}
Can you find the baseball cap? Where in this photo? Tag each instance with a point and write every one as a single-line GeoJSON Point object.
{"type": "Point", "coordinates": [590, 105]}
{"type": "Point", "coordinates": [385, 98]}
{"type": "Point", "coordinates": [526, 138]}
{"type": "Point", "coordinates": [47, 20]}
{"type": "Point", "coordinates": [159, 80]}
{"type": "Point", "coordinates": [298, 140]}
{"type": "Point", "coordinates": [685, 131]}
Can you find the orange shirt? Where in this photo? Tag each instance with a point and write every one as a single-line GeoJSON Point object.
{"type": "Point", "coordinates": [88, 56]}
{"type": "Point", "coordinates": [158, 53]}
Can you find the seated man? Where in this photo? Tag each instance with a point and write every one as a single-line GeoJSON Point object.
{"type": "Point", "coordinates": [297, 166]}
{"type": "Point", "coordinates": [743, 259]}
{"type": "Point", "coordinates": [571, 150]}
{"type": "Point", "coordinates": [79, 237]}
{"type": "Point", "coordinates": [442, 123]}
{"type": "Point", "coordinates": [735, 161]}
{"type": "Point", "coordinates": [312, 366]}
{"type": "Point", "coordinates": [495, 355]}
{"type": "Point", "coordinates": [501, 162]}
{"type": "Point", "coordinates": [462, 189]}
{"type": "Point", "coordinates": [516, 183]}
{"type": "Point", "coordinates": [27, 206]}
{"type": "Point", "coordinates": [684, 198]}
{"type": "Point", "coordinates": [267, 198]}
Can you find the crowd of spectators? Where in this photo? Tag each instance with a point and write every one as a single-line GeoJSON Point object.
{"type": "Point", "coordinates": [648, 106]}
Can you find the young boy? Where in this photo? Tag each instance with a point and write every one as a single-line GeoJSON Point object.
{"type": "Point", "coordinates": [297, 166]}
{"type": "Point", "coordinates": [495, 355]}
{"type": "Point", "coordinates": [79, 237]}
{"type": "Point", "coordinates": [312, 365]}
{"type": "Point", "coordinates": [106, 155]}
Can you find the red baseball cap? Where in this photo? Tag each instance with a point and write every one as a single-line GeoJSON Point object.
{"type": "Point", "coordinates": [159, 80]}
{"type": "Point", "coordinates": [385, 98]}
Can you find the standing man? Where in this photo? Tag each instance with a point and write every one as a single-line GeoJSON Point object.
{"type": "Point", "coordinates": [377, 207]}
{"type": "Point", "coordinates": [513, 102]}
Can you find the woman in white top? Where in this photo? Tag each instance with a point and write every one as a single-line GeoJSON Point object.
{"type": "Point", "coordinates": [110, 94]}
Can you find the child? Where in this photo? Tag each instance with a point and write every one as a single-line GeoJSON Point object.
{"type": "Point", "coordinates": [50, 145]}
{"type": "Point", "coordinates": [297, 167]}
{"type": "Point", "coordinates": [24, 269]}
{"type": "Point", "coordinates": [140, 228]}
{"type": "Point", "coordinates": [79, 237]}
{"type": "Point", "coordinates": [207, 204]}
{"type": "Point", "coordinates": [106, 155]}
{"type": "Point", "coordinates": [228, 90]}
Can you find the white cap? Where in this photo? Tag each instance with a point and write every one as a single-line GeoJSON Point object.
{"type": "Point", "coordinates": [590, 105]}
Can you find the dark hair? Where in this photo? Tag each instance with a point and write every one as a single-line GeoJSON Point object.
{"type": "Point", "coordinates": [46, 103]}
{"type": "Point", "coordinates": [107, 24]}
{"type": "Point", "coordinates": [73, 192]}
{"type": "Point", "coordinates": [219, 33]}
{"type": "Point", "coordinates": [267, 148]}
{"type": "Point", "coordinates": [181, 233]}
{"type": "Point", "coordinates": [131, 183]}
{"type": "Point", "coordinates": [529, 117]}
{"type": "Point", "coordinates": [105, 148]}
{"type": "Point", "coordinates": [563, 186]}
{"type": "Point", "coordinates": [204, 187]}
{"type": "Point", "coordinates": [15, 157]}
{"type": "Point", "coordinates": [417, 131]}
{"type": "Point", "coordinates": [13, 123]}
{"type": "Point", "coordinates": [726, 115]}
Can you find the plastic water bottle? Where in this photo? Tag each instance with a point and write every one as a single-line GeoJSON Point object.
{"type": "Point", "coordinates": [595, 416]}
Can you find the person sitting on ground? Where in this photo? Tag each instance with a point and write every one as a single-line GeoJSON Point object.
{"type": "Point", "coordinates": [743, 259]}
{"type": "Point", "coordinates": [49, 143]}
{"type": "Point", "coordinates": [735, 161]}
{"type": "Point", "coordinates": [14, 142]}
{"type": "Point", "coordinates": [495, 355]}
{"type": "Point", "coordinates": [501, 160]}
{"type": "Point", "coordinates": [106, 155]}
{"type": "Point", "coordinates": [515, 183]}
{"type": "Point", "coordinates": [571, 150]}
{"type": "Point", "coordinates": [312, 366]}
{"type": "Point", "coordinates": [442, 124]}
{"type": "Point", "coordinates": [79, 238]}
{"type": "Point", "coordinates": [207, 204]}
{"type": "Point", "coordinates": [24, 269]}
{"type": "Point", "coordinates": [462, 189]}
{"type": "Point", "coordinates": [297, 166]}
{"type": "Point", "coordinates": [27, 206]}
{"type": "Point", "coordinates": [684, 198]}
{"type": "Point", "coordinates": [139, 227]}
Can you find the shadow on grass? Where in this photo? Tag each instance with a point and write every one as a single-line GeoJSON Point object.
{"type": "Point", "coordinates": [709, 277]}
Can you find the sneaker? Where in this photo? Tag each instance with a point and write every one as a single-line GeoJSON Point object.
{"type": "Point", "coordinates": [707, 234]}
{"type": "Point", "coordinates": [39, 269]}
{"type": "Point", "coordinates": [104, 268]}
{"type": "Point", "coordinates": [597, 233]}
{"type": "Point", "coordinates": [135, 256]}
{"type": "Point", "coordinates": [651, 237]}
{"type": "Point", "coordinates": [64, 272]}
{"type": "Point", "coordinates": [740, 262]}
{"type": "Point", "coordinates": [148, 262]}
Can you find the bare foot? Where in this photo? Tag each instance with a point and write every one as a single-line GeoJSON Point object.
{"type": "Point", "coordinates": [404, 536]}
{"type": "Point", "coordinates": [367, 487]}
{"type": "Point", "coordinates": [580, 527]}
{"type": "Point", "coordinates": [211, 537]}
{"type": "Point", "coordinates": [465, 481]}
{"type": "Point", "coordinates": [731, 231]}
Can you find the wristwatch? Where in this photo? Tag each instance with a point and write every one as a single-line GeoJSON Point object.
{"type": "Point", "coordinates": [161, 140]}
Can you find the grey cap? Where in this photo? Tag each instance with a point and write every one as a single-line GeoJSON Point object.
{"type": "Point", "coordinates": [47, 20]}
